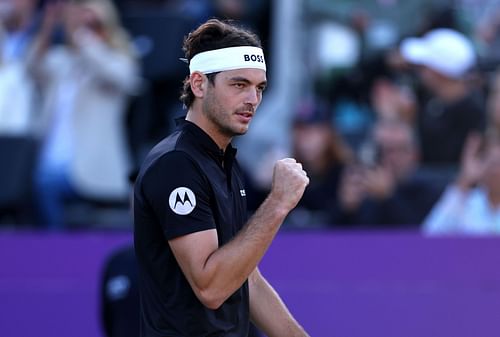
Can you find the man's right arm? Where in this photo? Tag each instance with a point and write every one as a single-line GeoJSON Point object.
{"type": "Point", "coordinates": [216, 272]}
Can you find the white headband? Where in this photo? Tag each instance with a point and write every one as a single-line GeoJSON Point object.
{"type": "Point", "coordinates": [228, 59]}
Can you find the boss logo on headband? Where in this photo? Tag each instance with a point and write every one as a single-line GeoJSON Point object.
{"type": "Point", "coordinates": [254, 58]}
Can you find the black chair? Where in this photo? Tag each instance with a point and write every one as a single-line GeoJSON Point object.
{"type": "Point", "coordinates": [17, 161]}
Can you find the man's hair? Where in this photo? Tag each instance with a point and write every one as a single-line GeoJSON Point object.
{"type": "Point", "coordinates": [211, 35]}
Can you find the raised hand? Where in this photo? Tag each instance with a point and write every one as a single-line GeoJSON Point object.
{"type": "Point", "coordinates": [351, 189]}
{"type": "Point", "coordinates": [472, 166]}
{"type": "Point", "coordinates": [52, 16]}
{"type": "Point", "coordinates": [289, 182]}
{"type": "Point", "coordinates": [379, 182]}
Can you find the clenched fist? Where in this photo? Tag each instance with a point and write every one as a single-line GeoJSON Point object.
{"type": "Point", "coordinates": [289, 182]}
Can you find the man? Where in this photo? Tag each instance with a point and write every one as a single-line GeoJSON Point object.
{"type": "Point", "coordinates": [470, 205]}
{"type": "Point", "coordinates": [197, 252]}
{"type": "Point", "coordinates": [120, 294]}
{"type": "Point", "coordinates": [18, 26]}
{"type": "Point", "coordinates": [454, 107]}
{"type": "Point", "coordinates": [389, 188]}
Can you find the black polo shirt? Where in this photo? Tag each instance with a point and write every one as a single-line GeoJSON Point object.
{"type": "Point", "coordinates": [187, 184]}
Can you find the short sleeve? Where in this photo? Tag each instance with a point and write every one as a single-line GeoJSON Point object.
{"type": "Point", "coordinates": [179, 195]}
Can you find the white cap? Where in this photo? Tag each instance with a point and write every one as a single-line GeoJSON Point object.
{"type": "Point", "coordinates": [444, 50]}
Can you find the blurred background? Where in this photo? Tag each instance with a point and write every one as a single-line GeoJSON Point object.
{"type": "Point", "coordinates": [392, 106]}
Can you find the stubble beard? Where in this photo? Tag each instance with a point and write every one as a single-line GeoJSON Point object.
{"type": "Point", "coordinates": [220, 118]}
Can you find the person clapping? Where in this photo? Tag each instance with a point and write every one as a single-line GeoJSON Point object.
{"type": "Point", "coordinates": [471, 205]}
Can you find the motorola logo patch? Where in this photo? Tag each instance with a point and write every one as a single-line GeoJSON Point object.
{"type": "Point", "coordinates": [182, 201]}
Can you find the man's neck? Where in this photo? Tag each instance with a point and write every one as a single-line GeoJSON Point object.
{"type": "Point", "coordinates": [452, 91]}
{"type": "Point", "coordinates": [197, 117]}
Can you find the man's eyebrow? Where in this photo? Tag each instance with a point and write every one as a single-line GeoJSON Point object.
{"type": "Point", "coordinates": [240, 79]}
{"type": "Point", "coordinates": [245, 80]}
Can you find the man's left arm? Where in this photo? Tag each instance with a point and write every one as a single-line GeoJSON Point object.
{"type": "Point", "coordinates": [268, 312]}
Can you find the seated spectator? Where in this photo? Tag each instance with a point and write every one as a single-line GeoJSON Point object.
{"type": "Point", "coordinates": [487, 33]}
{"type": "Point", "coordinates": [454, 108]}
{"type": "Point", "coordinates": [386, 187]}
{"type": "Point", "coordinates": [85, 83]}
{"type": "Point", "coordinates": [391, 100]}
{"type": "Point", "coordinates": [471, 205]}
{"type": "Point", "coordinates": [18, 24]}
{"type": "Point", "coordinates": [323, 155]}
{"type": "Point", "coordinates": [119, 296]}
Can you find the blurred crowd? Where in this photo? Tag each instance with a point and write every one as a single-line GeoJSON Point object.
{"type": "Point", "coordinates": [397, 123]}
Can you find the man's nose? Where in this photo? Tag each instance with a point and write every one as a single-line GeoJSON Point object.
{"type": "Point", "coordinates": [253, 96]}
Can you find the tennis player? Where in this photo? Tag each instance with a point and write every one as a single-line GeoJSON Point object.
{"type": "Point", "coordinates": [196, 248]}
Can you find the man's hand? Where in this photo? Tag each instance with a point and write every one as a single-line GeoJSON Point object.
{"type": "Point", "coordinates": [352, 192]}
{"type": "Point", "coordinates": [472, 166]}
{"type": "Point", "coordinates": [289, 183]}
{"type": "Point", "coordinates": [379, 182]}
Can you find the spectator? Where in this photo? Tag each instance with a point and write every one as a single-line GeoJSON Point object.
{"type": "Point", "coordinates": [119, 286]}
{"type": "Point", "coordinates": [387, 188]}
{"type": "Point", "coordinates": [152, 111]}
{"type": "Point", "coordinates": [322, 152]}
{"type": "Point", "coordinates": [85, 83]}
{"type": "Point", "coordinates": [493, 104]}
{"type": "Point", "coordinates": [323, 155]}
{"type": "Point", "coordinates": [120, 303]}
{"type": "Point", "coordinates": [253, 14]}
{"type": "Point", "coordinates": [471, 205]}
{"type": "Point", "coordinates": [18, 24]}
{"type": "Point", "coordinates": [487, 34]}
{"type": "Point", "coordinates": [391, 100]}
{"type": "Point", "coordinates": [454, 108]}
{"type": "Point", "coordinates": [375, 89]}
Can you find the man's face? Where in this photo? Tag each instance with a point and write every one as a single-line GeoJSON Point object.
{"type": "Point", "coordinates": [312, 142]}
{"type": "Point", "coordinates": [230, 103]}
{"type": "Point", "coordinates": [397, 150]}
{"type": "Point", "coordinates": [77, 16]}
{"type": "Point", "coordinates": [15, 8]}
{"type": "Point", "coordinates": [429, 78]}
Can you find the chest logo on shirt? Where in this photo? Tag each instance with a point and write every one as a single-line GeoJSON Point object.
{"type": "Point", "coordinates": [182, 201]}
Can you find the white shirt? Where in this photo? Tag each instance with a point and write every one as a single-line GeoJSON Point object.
{"type": "Point", "coordinates": [459, 212]}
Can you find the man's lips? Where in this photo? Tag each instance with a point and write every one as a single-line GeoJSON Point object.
{"type": "Point", "coordinates": [246, 116]}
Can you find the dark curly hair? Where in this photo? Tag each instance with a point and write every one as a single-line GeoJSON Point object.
{"type": "Point", "coordinates": [213, 34]}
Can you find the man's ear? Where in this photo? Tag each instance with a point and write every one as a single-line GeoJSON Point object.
{"type": "Point", "coordinates": [198, 83]}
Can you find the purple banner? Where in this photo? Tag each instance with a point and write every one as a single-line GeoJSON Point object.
{"type": "Point", "coordinates": [335, 283]}
{"type": "Point", "coordinates": [49, 282]}
{"type": "Point", "coordinates": [388, 284]}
